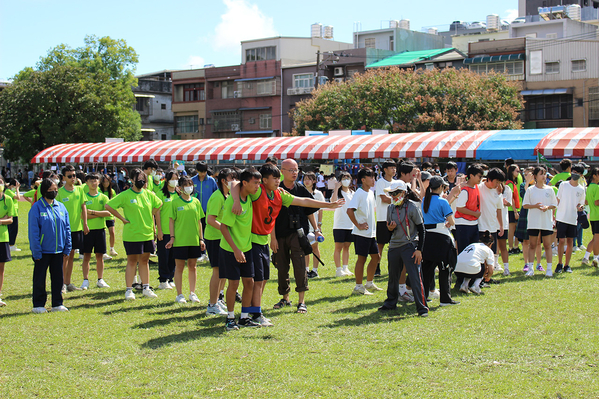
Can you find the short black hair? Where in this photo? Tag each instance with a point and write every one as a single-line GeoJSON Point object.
{"type": "Point", "coordinates": [268, 170]}
{"type": "Point", "coordinates": [45, 186]}
{"type": "Point", "coordinates": [135, 172]}
{"type": "Point", "coordinates": [578, 168]}
{"type": "Point", "coordinates": [538, 169]}
{"type": "Point", "coordinates": [474, 170]}
{"type": "Point", "coordinates": [405, 167]}
{"type": "Point", "coordinates": [509, 162]}
{"type": "Point", "coordinates": [387, 163]}
{"type": "Point", "coordinates": [201, 167]}
{"type": "Point", "coordinates": [426, 165]}
{"type": "Point", "coordinates": [496, 174]}
{"type": "Point", "coordinates": [68, 168]}
{"type": "Point", "coordinates": [150, 163]}
{"type": "Point", "coordinates": [565, 164]}
{"type": "Point", "coordinates": [273, 160]}
{"type": "Point", "coordinates": [248, 174]}
{"type": "Point", "coordinates": [364, 172]}
{"type": "Point", "coordinates": [92, 176]}
{"type": "Point", "coordinates": [486, 238]}
{"type": "Point", "coordinates": [451, 165]}
{"type": "Point", "coordinates": [184, 181]}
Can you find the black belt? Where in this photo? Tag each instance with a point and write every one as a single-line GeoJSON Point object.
{"type": "Point", "coordinates": [430, 226]}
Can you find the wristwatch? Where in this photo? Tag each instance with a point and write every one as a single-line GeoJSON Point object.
{"type": "Point", "coordinates": [317, 231]}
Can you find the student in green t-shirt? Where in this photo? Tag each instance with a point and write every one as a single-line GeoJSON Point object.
{"type": "Point", "coordinates": [140, 209]}
{"type": "Point", "coordinates": [106, 188]}
{"type": "Point", "coordinates": [236, 246]}
{"type": "Point", "coordinates": [73, 198]}
{"type": "Point", "coordinates": [166, 257]}
{"type": "Point", "coordinates": [12, 190]}
{"type": "Point", "coordinates": [95, 240]}
{"type": "Point", "coordinates": [592, 200]}
{"type": "Point", "coordinates": [186, 238]}
{"type": "Point", "coordinates": [566, 167]}
{"type": "Point", "coordinates": [150, 167]}
{"type": "Point", "coordinates": [7, 211]}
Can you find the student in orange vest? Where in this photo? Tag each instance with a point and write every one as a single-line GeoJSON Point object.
{"type": "Point", "coordinates": [468, 209]}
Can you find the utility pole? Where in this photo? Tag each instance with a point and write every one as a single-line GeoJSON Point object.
{"type": "Point", "coordinates": [317, 71]}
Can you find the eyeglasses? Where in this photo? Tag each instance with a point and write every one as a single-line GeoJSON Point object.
{"type": "Point", "coordinates": [69, 176]}
{"type": "Point", "coordinates": [291, 170]}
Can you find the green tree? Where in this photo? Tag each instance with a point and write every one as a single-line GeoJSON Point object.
{"type": "Point", "coordinates": [413, 101]}
{"type": "Point", "coordinates": [73, 95]}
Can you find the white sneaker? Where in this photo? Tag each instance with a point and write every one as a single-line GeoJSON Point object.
{"type": "Point", "coordinates": [595, 263]}
{"type": "Point", "coordinates": [506, 272]}
{"type": "Point", "coordinates": [85, 284]}
{"type": "Point", "coordinates": [361, 291]}
{"type": "Point", "coordinates": [372, 287]}
{"type": "Point", "coordinates": [221, 304]}
{"type": "Point", "coordinates": [107, 257]}
{"type": "Point", "coordinates": [39, 310]}
{"type": "Point", "coordinates": [576, 249]}
{"type": "Point", "coordinates": [434, 294]}
{"type": "Point", "coordinates": [172, 284]}
{"type": "Point", "coordinates": [60, 308]}
{"type": "Point", "coordinates": [113, 253]}
{"type": "Point", "coordinates": [153, 255]}
{"type": "Point", "coordinates": [149, 293]}
{"type": "Point", "coordinates": [475, 289]}
{"type": "Point", "coordinates": [72, 287]}
{"type": "Point", "coordinates": [14, 248]}
{"type": "Point", "coordinates": [2, 303]}
{"type": "Point", "coordinates": [347, 272]}
{"type": "Point", "coordinates": [531, 272]}
{"type": "Point", "coordinates": [64, 289]}
{"type": "Point", "coordinates": [203, 258]}
{"type": "Point", "coordinates": [340, 273]}
{"type": "Point", "coordinates": [164, 286]}
{"type": "Point", "coordinates": [585, 262]}
{"type": "Point", "coordinates": [554, 251]}
{"type": "Point", "coordinates": [497, 267]}
{"type": "Point", "coordinates": [180, 299]}
{"type": "Point", "coordinates": [549, 273]}
{"type": "Point", "coordinates": [464, 288]}
{"type": "Point", "coordinates": [215, 310]}
{"type": "Point", "coordinates": [129, 295]}
{"type": "Point", "coordinates": [102, 284]}
{"type": "Point", "coordinates": [582, 247]}
{"type": "Point", "coordinates": [263, 321]}
{"type": "Point", "coordinates": [194, 298]}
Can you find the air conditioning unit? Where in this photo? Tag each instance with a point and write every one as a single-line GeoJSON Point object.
{"type": "Point", "coordinates": [235, 127]}
{"type": "Point", "coordinates": [251, 121]}
{"type": "Point", "coordinates": [306, 90]}
{"type": "Point", "coordinates": [339, 71]}
{"type": "Point", "coordinates": [292, 91]}
{"type": "Point", "coordinates": [236, 94]}
{"type": "Point", "coordinates": [339, 80]}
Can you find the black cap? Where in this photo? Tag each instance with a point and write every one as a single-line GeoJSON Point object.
{"type": "Point", "coordinates": [436, 182]}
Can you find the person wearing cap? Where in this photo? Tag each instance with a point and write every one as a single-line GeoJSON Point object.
{"type": "Point", "coordinates": [439, 245]}
{"type": "Point", "coordinates": [404, 220]}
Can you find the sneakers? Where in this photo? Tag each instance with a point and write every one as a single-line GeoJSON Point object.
{"type": "Point", "coordinates": [540, 268]}
{"type": "Point", "coordinates": [464, 288]}
{"type": "Point", "coordinates": [230, 325]}
{"type": "Point", "coordinates": [72, 287]}
{"type": "Point", "coordinates": [434, 294]}
{"type": "Point", "coordinates": [38, 310]}
{"type": "Point", "coordinates": [340, 273]}
{"type": "Point", "coordinates": [526, 268]}
{"type": "Point", "coordinates": [60, 308]}
{"type": "Point", "coordinates": [377, 272]}
{"type": "Point", "coordinates": [172, 284]}
{"type": "Point", "coordinates": [237, 297]}
{"type": "Point", "coordinates": [497, 268]}
{"type": "Point", "coordinates": [107, 257]}
{"type": "Point", "coordinates": [549, 273]}
{"type": "Point", "coordinates": [347, 271]}
{"type": "Point", "coordinates": [203, 258]}
{"type": "Point", "coordinates": [506, 272]}
{"type": "Point", "coordinates": [263, 321]}
{"type": "Point", "coordinates": [85, 284]}
{"type": "Point", "coordinates": [113, 253]}
{"type": "Point", "coordinates": [64, 289]}
{"type": "Point", "coordinates": [595, 263]}
{"type": "Point", "coordinates": [102, 284]}
{"type": "Point", "coordinates": [361, 291]}
{"type": "Point", "coordinates": [194, 298]}
{"type": "Point", "coordinates": [180, 299]}
{"type": "Point", "coordinates": [221, 304]}
{"type": "Point", "coordinates": [559, 268]}
{"type": "Point", "coordinates": [484, 284]}
{"type": "Point", "coordinates": [449, 303]}
{"type": "Point", "coordinates": [13, 248]}
{"type": "Point", "coordinates": [312, 274]}
{"type": "Point", "coordinates": [372, 287]}
{"type": "Point", "coordinates": [476, 290]}
{"type": "Point", "coordinates": [247, 322]}
{"type": "Point", "coordinates": [585, 262]}
{"type": "Point", "coordinates": [2, 303]}
{"type": "Point", "coordinates": [215, 310]}
{"type": "Point", "coordinates": [129, 295]}
{"type": "Point", "coordinates": [406, 297]}
{"type": "Point", "coordinates": [149, 293]}
{"type": "Point", "coordinates": [530, 273]}
{"type": "Point", "coordinates": [582, 247]}
{"type": "Point", "coordinates": [568, 269]}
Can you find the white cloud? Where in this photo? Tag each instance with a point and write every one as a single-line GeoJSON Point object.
{"type": "Point", "coordinates": [511, 15]}
{"type": "Point", "coordinates": [242, 21]}
{"type": "Point", "coordinates": [194, 62]}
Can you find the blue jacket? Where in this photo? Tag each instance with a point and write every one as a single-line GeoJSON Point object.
{"type": "Point", "coordinates": [49, 229]}
{"type": "Point", "coordinates": [204, 189]}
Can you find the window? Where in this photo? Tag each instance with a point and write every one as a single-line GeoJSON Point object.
{"type": "Point", "coordinates": [201, 121]}
{"type": "Point", "coordinates": [187, 124]}
{"type": "Point", "coordinates": [552, 67]}
{"type": "Point", "coordinates": [227, 89]}
{"type": "Point", "coordinates": [164, 137]}
{"type": "Point", "coordinates": [261, 54]}
{"type": "Point", "coordinates": [226, 121]}
{"type": "Point", "coordinates": [303, 80]}
{"type": "Point", "coordinates": [370, 43]}
{"type": "Point", "coordinates": [266, 87]}
{"type": "Point", "coordinates": [594, 103]}
{"type": "Point", "coordinates": [162, 106]}
{"type": "Point", "coordinates": [551, 36]}
{"type": "Point", "coordinates": [549, 107]}
{"type": "Point", "coordinates": [191, 92]}
{"type": "Point", "coordinates": [579, 65]}
{"type": "Point", "coordinates": [142, 105]}
{"type": "Point", "coordinates": [265, 121]}
{"type": "Point", "coordinates": [510, 67]}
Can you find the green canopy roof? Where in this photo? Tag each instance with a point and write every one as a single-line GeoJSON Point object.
{"type": "Point", "coordinates": [409, 57]}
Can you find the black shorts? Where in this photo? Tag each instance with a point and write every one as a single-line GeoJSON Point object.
{"type": "Point", "coordinates": [504, 236]}
{"type": "Point", "coordinates": [595, 226]}
{"type": "Point", "coordinates": [5, 252]}
{"type": "Point", "coordinates": [233, 270]}
{"type": "Point", "coordinates": [340, 235]}
{"type": "Point", "coordinates": [565, 230]}
{"type": "Point", "coordinates": [511, 217]}
{"type": "Point", "coordinates": [77, 240]}
{"type": "Point", "coordinates": [213, 249]}
{"type": "Point", "coordinates": [494, 235]}
{"type": "Point", "coordinates": [109, 222]}
{"type": "Point", "coordinates": [383, 235]}
{"type": "Point", "coordinates": [536, 232]}
{"type": "Point", "coordinates": [261, 259]}
{"type": "Point", "coordinates": [365, 246]}
{"type": "Point", "coordinates": [138, 247]}
{"type": "Point", "coordinates": [95, 241]}
{"type": "Point", "coordinates": [189, 252]}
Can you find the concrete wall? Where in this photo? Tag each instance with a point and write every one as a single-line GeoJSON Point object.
{"type": "Point", "coordinates": [562, 52]}
{"type": "Point", "coordinates": [461, 42]}
{"type": "Point", "coordinates": [561, 27]}
{"type": "Point", "coordinates": [403, 40]}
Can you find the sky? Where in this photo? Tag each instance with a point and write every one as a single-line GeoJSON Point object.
{"type": "Point", "coordinates": [190, 34]}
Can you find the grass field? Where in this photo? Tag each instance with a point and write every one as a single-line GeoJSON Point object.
{"type": "Point", "coordinates": [525, 338]}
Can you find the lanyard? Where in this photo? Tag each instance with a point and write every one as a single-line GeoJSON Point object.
{"type": "Point", "coordinates": [407, 222]}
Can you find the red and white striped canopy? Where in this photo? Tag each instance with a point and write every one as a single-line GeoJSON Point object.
{"type": "Point", "coordinates": [460, 144]}
{"type": "Point", "coordinates": [570, 142]}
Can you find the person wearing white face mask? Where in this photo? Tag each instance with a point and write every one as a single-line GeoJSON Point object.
{"type": "Point", "coordinates": [204, 186]}
{"type": "Point", "coordinates": [342, 225]}
{"type": "Point", "coordinates": [166, 257]}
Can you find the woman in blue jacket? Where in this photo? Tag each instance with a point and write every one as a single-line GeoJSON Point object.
{"type": "Point", "coordinates": [50, 243]}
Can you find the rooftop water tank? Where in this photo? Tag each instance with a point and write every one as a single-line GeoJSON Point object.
{"type": "Point", "coordinates": [404, 24]}
{"type": "Point", "coordinates": [316, 30]}
{"type": "Point", "coordinates": [328, 32]}
{"type": "Point", "coordinates": [573, 11]}
{"type": "Point", "coordinates": [493, 23]}
{"type": "Point", "coordinates": [394, 23]}
{"type": "Point", "coordinates": [432, 31]}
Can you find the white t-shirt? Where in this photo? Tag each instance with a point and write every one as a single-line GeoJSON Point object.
{"type": "Point", "coordinates": [490, 202]}
{"type": "Point", "coordinates": [473, 256]}
{"type": "Point", "coordinates": [341, 220]}
{"type": "Point", "coordinates": [381, 207]}
{"type": "Point", "coordinates": [460, 203]}
{"type": "Point", "coordinates": [569, 198]}
{"type": "Point", "coordinates": [537, 219]}
{"type": "Point", "coordinates": [318, 196]}
{"type": "Point", "coordinates": [331, 183]}
{"type": "Point", "coordinates": [320, 181]}
{"type": "Point", "coordinates": [508, 196]}
{"type": "Point", "coordinates": [364, 204]}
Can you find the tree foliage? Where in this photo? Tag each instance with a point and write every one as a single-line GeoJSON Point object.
{"type": "Point", "coordinates": [73, 95]}
{"type": "Point", "coordinates": [413, 101]}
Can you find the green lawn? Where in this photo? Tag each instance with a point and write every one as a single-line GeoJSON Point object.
{"type": "Point", "coordinates": [528, 337]}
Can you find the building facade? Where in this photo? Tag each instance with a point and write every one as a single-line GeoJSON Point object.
{"type": "Point", "coordinates": [189, 104]}
{"type": "Point", "coordinates": [153, 96]}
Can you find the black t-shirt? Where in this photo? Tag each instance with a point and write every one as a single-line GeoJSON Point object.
{"type": "Point", "coordinates": [283, 226]}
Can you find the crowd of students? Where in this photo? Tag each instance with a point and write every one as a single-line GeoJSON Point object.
{"type": "Point", "coordinates": [454, 224]}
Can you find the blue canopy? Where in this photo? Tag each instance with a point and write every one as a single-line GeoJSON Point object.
{"type": "Point", "coordinates": [515, 144]}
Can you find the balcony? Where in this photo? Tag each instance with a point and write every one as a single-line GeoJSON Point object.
{"type": "Point", "coordinates": [298, 91]}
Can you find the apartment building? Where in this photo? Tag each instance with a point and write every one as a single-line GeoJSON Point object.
{"type": "Point", "coordinates": [153, 95]}
{"type": "Point", "coordinates": [189, 103]}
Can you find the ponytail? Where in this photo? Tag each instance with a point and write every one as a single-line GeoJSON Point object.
{"type": "Point", "coordinates": [427, 199]}
{"type": "Point", "coordinates": [486, 238]}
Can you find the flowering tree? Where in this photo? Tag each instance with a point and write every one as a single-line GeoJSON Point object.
{"type": "Point", "coordinates": [413, 101]}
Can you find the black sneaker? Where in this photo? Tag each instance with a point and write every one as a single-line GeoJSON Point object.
{"type": "Point", "coordinates": [221, 297]}
{"type": "Point", "coordinates": [449, 303]}
{"type": "Point", "coordinates": [312, 274]}
{"type": "Point", "coordinates": [248, 322]}
{"type": "Point", "coordinates": [137, 286]}
{"type": "Point", "coordinates": [568, 269]}
{"type": "Point", "coordinates": [491, 281]}
{"type": "Point", "coordinates": [237, 297]}
{"type": "Point", "coordinates": [377, 272]}
{"type": "Point", "coordinates": [511, 251]}
{"type": "Point", "coordinates": [230, 325]}
{"type": "Point", "coordinates": [484, 284]}
{"type": "Point", "coordinates": [559, 268]}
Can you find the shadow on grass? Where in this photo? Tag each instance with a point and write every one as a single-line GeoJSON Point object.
{"type": "Point", "coordinates": [180, 309]}
{"type": "Point", "coordinates": [402, 312]}
{"type": "Point", "coordinates": [164, 321]}
{"type": "Point", "coordinates": [96, 304]}
{"type": "Point", "coordinates": [137, 308]}
{"type": "Point", "coordinates": [7, 315]}
{"type": "Point", "coordinates": [208, 327]}
{"type": "Point", "coordinates": [17, 297]}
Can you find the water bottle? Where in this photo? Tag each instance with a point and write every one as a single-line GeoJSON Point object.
{"type": "Point", "coordinates": [312, 238]}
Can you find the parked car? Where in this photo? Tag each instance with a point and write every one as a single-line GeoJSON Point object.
{"type": "Point", "coordinates": [477, 25]}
